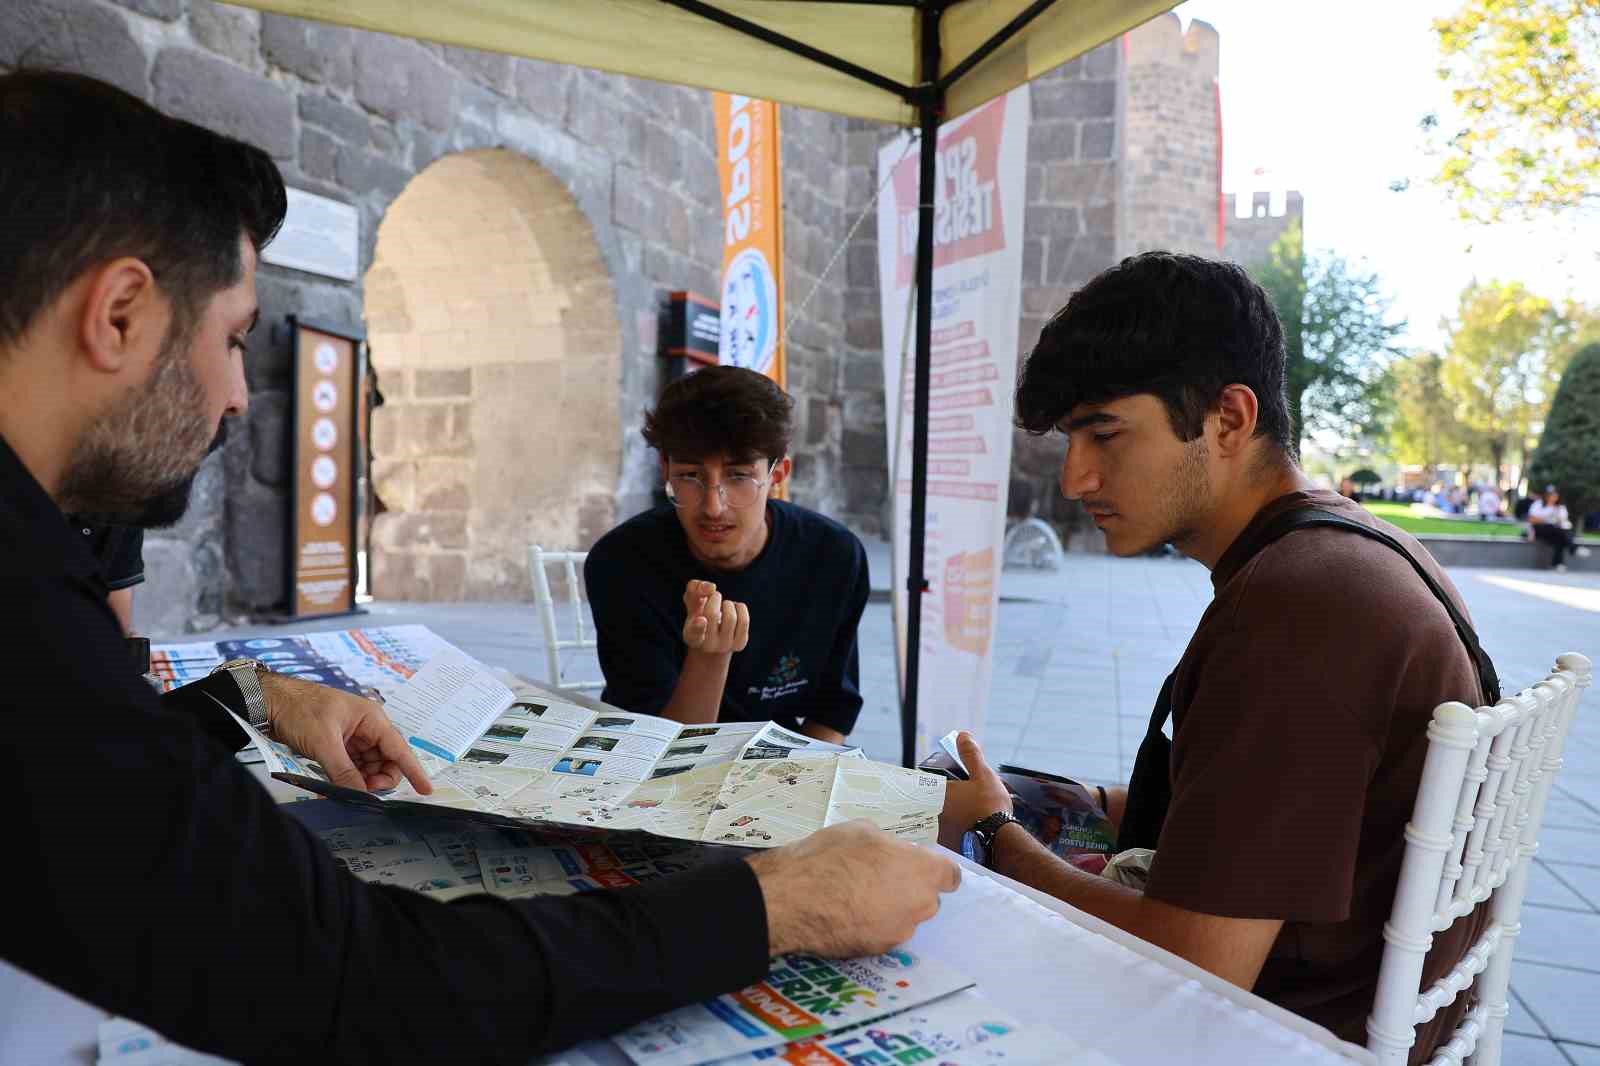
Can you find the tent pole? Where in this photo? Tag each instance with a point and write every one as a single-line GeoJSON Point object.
{"type": "Point", "coordinates": [929, 105]}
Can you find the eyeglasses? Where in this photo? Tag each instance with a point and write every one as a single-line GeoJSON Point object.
{"type": "Point", "coordinates": [737, 491]}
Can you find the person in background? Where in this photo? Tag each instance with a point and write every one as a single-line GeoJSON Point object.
{"type": "Point", "coordinates": [127, 291]}
{"type": "Point", "coordinates": [1552, 525]}
{"type": "Point", "coordinates": [1488, 503]}
{"type": "Point", "coordinates": [727, 604]}
{"type": "Point", "coordinates": [1299, 710]}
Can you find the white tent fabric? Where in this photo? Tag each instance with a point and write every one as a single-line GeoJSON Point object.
{"type": "Point", "coordinates": [654, 39]}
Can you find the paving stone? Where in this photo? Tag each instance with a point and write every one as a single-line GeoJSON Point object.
{"type": "Point", "coordinates": [1564, 1000]}
{"type": "Point", "coordinates": [1530, 1051]}
{"type": "Point", "coordinates": [1559, 938]}
{"type": "Point", "coordinates": [1584, 880]}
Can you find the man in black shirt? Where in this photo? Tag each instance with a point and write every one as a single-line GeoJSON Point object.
{"type": "Point", "coordinates": [728, 605]}
{"type": "Point", "coordinates": [119, 549]}
{"type": "Point", "coordinates": [126, 289]}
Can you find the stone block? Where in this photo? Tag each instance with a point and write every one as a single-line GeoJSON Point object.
{"type": "Point", "coordinates": [269, 438]}
{"type": "Point", "coordinates": [444, 484]}
{"type": "Point", "coordinates": [319, 154]}
{"type": "Point", "coordinates": [203, 519]}
{"type": "Point", "coordinates": [1080, 183]}
{"type": "Point", "coordinates": [492, 69]}
{"type": "Point", "coordinates": [1100, 221]}
{"type": "Point", "coordinates": [400, 80]}
{"type": "Point", "coordinates": [394, 573]}
{"type": "Point", "coordinates": [543, 87]}
{"type": "Point", "coordinates": [385, 140]}
{"type": "Point", "coordinates": [1044, 299]}
{"type": "Point", "coordinates": [165, 604]}
{"type": "Point", "coordinates": [315, 51]}
{"type": "Point", "coordinates": [864, 448]}
{"type": "Point", "coordinates": [633, 201]}
{"type": "Point", "coordinates": [663, 157]}
{"type": "Point", "coordinates": [861, 267]}
{"type": "Point", "coordinates": [1042, 221]}
{"type": "Point", "coordinates": [864, 330]}
{"type": "Point", "coordinates": [447, 577]}
{"type": "Point", "coordinates": [439, 529]}
{"type": "Point", "coordinates": [1102, 62]}
{"type": "Point", "coordinates": [863, 373]}
{"type": "Point", "coordinates": [440, 384]}
{"type": "Point", "coordinates": [1033, 261]}
{"type": "Point", "coordinates": [345, 123]}
{"type": "Point", "coordinates": [165, 10]}
{"type": "Point", "coordinates": [865, 487]}
{"type": "Point", "coordinates": [74, 35]}
{"type": "Point", "coordinates": [395, 483]}
{"type": "Point", "coordinates": [1049, 142]}
{"type": "Point", "coordinates": [257, 529]}
{"type": "Point", "coordinates": [222, 97]}
{"type": "Point", "coordinates": [1074, 99]}
{"type": "Point", "coordinates": [232, 32]}
{"type": "Point", "coordinates": [363, 173]}
{"type": "Point", "coordinates": [1098, 140]}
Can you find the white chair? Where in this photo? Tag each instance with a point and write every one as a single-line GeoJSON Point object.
{"type": "Point", "coordinates": [554, 645]}
{"type": "Point", "coordinates": [1471, 838]}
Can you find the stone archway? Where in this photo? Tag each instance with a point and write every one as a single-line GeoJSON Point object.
{"type": "Point", "coordinates": [493, 329]}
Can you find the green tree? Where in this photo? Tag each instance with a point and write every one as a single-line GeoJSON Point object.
{"type": "Point", "coordinates": [1525, 76]}
{"type": "Point", "coordinates": [1569, 448]}
{"type": "Point", "coordinates": [1505, 352]}
{"type": "Point", "coordinates": [1423, 429]}
{"type": "Point", "coordinates": [1337, 334]}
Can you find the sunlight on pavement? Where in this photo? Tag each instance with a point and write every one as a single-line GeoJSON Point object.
{"type": "Point", "coordinates": [1583, 598]}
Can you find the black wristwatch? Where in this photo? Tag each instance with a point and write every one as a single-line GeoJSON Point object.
{"type": "Point", "coordinates": [987, 829]}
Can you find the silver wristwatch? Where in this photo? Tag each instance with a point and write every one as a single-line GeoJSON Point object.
{"type": "Point", "coordinates": [246, 673]}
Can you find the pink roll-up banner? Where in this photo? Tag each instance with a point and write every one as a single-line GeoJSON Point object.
{"type": "Point", "coordinates": [977, 292]}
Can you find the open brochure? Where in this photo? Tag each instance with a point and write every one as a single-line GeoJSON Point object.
{"type": "Point", "coordinates": [536, 761]}
{"type": "Point", "coordinates": [801, 997]}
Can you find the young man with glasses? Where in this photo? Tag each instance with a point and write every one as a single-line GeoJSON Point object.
{"type": "Point", "coordinates": [728, 604]}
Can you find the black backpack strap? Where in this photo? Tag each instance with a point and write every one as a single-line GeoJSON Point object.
{"type": "Point", "coordinates": [1306, 517]}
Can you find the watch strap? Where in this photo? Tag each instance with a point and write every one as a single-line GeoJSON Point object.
{"type": "Point", "coordinates": [246, 673]}
{"type": "Point", "coordinates": [987, 828]}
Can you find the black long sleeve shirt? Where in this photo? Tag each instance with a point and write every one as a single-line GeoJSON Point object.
{"type": "Point", "coordinates": [155, 878]}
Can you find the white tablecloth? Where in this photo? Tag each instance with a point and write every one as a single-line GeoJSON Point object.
{"type": "Point", "coordinates": [1042, 961]}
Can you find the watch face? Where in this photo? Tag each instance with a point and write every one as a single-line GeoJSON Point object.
{"type": "Point", "coordinates": [972, 848]}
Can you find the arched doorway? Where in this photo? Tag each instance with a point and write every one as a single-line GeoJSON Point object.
{"type": "Point", "coordinates": [493, 330]}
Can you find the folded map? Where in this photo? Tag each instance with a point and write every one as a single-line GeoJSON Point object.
{"type": "Point", "coordinates": [541, 762]}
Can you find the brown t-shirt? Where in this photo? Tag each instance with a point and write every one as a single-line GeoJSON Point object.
{"type": "Point", "coordinates": [1301, 709]}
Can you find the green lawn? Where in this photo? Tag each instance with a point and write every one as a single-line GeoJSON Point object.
{"type": "Point", "coordinates": [1400, 514]}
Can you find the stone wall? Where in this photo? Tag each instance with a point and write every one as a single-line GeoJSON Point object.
{"type": "Point", "coordinates": [354, 116]}
{"type": "Point", "coordinates": [1171, 181]}
{"type": "Point", "coordinates": [1247, 241]}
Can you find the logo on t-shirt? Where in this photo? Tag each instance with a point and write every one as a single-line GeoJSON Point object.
{"type": "Point", "coordinates": [785, 679]}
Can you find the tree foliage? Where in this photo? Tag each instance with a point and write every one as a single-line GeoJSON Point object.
{"type": "Point", "coordinates": [1569, 448]}
{"type": "Point", "coordinates": [1525, 76]}
{"type": "Point", "coordinates": [1337, 334]}
{"type": "Point", "coordinates": [1423, 430]}
{"type": "Point", "coordinates": [1505, 353]}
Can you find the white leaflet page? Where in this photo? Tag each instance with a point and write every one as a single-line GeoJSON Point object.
{"type": "Point", "coordinates": [447, 704]}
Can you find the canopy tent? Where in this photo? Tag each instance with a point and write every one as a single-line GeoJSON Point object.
{"type": "Point", "coordinates": [906, 62]}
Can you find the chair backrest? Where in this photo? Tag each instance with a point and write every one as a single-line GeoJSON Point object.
{"type": "Point", "coordinates": [571, 564]}
{"type": "Point", "coordinates": [1471, 837]}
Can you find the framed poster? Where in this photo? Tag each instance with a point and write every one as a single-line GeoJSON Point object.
{"type": "Point", "coordinates": [326, 465]}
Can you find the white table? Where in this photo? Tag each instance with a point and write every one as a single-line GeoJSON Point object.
{"type": "Point", "coordinates": [1040, 960]}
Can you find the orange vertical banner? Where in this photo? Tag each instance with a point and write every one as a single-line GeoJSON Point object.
{"type": "Point", "coordinates": [752, 235]}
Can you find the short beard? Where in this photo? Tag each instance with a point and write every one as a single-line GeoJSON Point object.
{"type": "Point", "coordinates": [1189, 500]}
{"type": "Point", "coordinates": [136, 463]}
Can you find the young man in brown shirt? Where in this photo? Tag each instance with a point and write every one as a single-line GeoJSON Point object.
{"type": "Point", "coordinates": [1300, 708]}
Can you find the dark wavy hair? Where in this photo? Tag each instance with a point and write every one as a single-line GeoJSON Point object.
{"type": "Point", "coordinates": [721, 410]}
{"type": "Point", "coordinates": [1179, 327]}
{"type": "Point", "coordinates": [89, 173]}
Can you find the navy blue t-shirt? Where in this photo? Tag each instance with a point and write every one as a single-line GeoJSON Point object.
{"type": "Point", "coordinates": [806, 591]}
